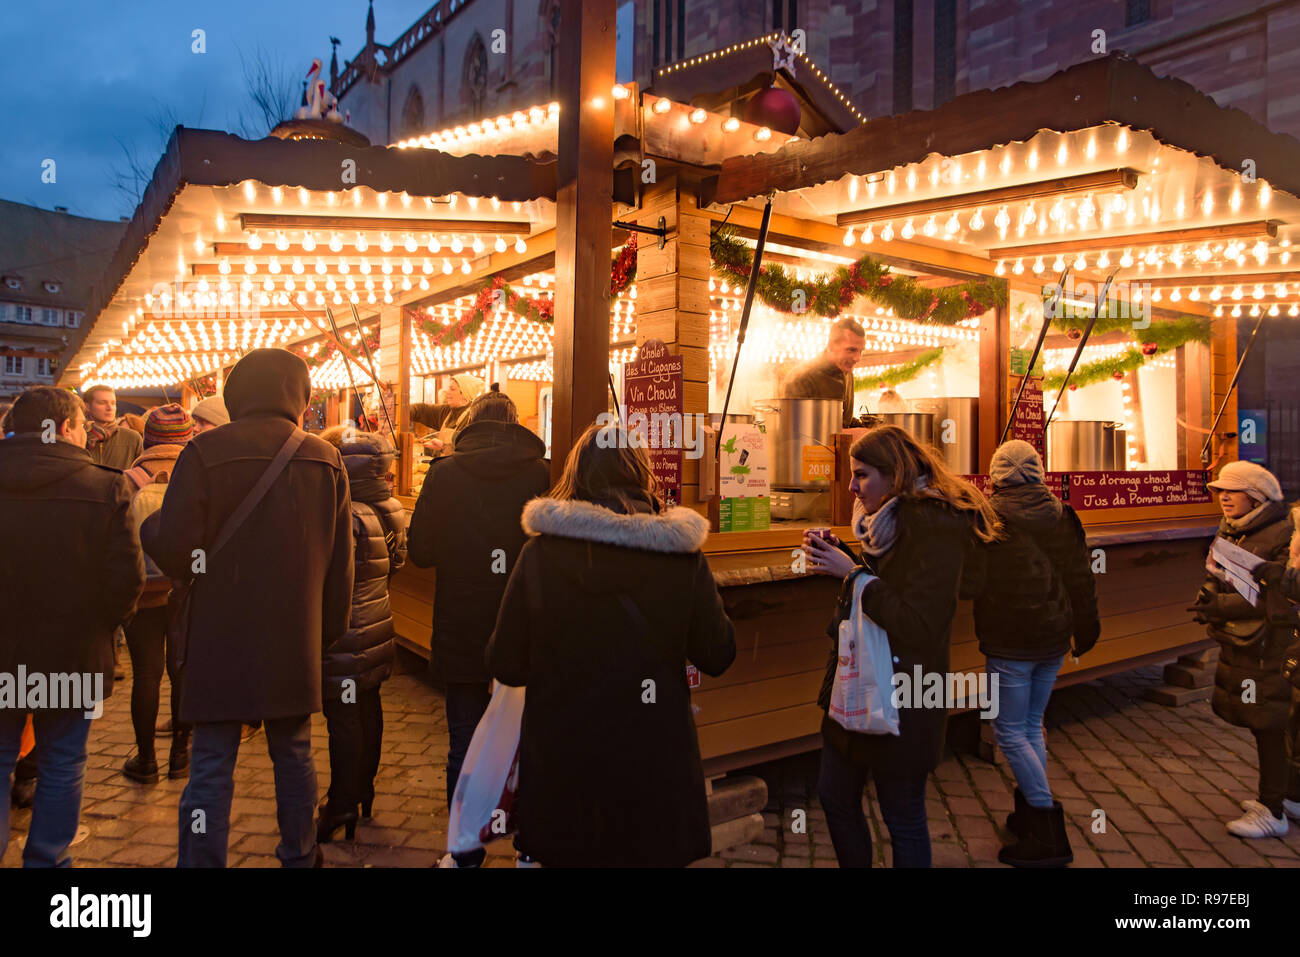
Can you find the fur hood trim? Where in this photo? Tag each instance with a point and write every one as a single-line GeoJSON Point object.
{"type": "Point", "coordinates": [1293, 561]}
{"type": "Point", "coordinates": [676, 530]}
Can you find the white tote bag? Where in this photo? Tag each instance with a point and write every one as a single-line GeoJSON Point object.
{"type": "Point", "coordinates": [487, 780]}
{"type": "Point", "coordinates": [862, 695]}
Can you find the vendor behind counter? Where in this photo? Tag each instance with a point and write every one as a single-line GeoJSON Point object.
{"type": "Point", "coordinates": [441, 419]}
{"type": "Point", "coordinates": [830, 375]}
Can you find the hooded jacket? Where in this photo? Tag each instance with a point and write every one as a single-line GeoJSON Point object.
{"type": "Point", "coordinates": [70, 563]}
{"type": "Point", "coordinates": [600, 618]}
{"type": "Point", "coordinates": [1251, 648]}
{"type": "Point", "coordinates": [365, 653]}
{"type": "Point", "coordinates": [1034, 588]}
{"type": "Point", "coordinates": [268, 604]}
{"type": "Point", "coordinates": [466, 526]}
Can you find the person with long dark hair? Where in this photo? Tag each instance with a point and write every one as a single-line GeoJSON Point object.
{"type": "Point", "coordinates": [609, 601]}
{"type": "Point", "coordinates": [916, 522]}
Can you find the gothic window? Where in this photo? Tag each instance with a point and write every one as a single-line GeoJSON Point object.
{"type": "Point", "coordinates": [413, 113]}
{"type": "Point", "coordinates": [474, 80]}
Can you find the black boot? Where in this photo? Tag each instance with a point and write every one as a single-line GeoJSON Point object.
{"type": "Point", "coordinates": [331, 818]}
{"type": "Point", "coordinates": [1015, 818]}
{"type": "Point", "coordinates": [178, 762]}
{"type": "Point", "coordinates": [142, 768]}
{"type": "Point", "coordinates": [1045, 844]}
{"type": "Point", "coordinates": [23, 792]}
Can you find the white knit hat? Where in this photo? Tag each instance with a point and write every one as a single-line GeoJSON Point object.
{"type": "Point", "coordinates": [1016, 463]}
{"type": "Point", "coordinates": [1255, 480]}
{"type": "Point", "coordinates": [212, 410]}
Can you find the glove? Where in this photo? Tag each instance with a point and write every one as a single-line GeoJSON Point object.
{"type": "Point", "coordinates": [1085, 637]}
{"type": "Point", "coordinates": [1206, 610]}
{"type": "Point", "coordinates": [1269, 574]}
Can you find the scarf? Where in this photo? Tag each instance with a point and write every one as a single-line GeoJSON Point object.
{"type": "Point", "coordinates": [99, 433]}
{"type": "Point", "coordinates": [878, 532]}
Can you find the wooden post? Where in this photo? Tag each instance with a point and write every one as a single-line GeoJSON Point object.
{"type": "Point", "coordinates": [994, 369]}
{"type": "Point", "coordinates": [584, 204]}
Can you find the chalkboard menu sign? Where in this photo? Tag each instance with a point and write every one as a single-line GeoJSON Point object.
{"type": "Point", "coordinates": [652, 408]}
{"type": "Point", "coordinates": [1027, 423]}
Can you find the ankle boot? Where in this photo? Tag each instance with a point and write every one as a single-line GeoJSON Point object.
{"type": "Point", "coordinates": [178, 762]}
{"type": "Point", "coordinates": [142, 768]}
{"type": "Point", "coordinates": [331, 818]}
{"type": "Point", "coordinates": [1015, 820]}
{"type": "Point", "coordinates": [1045, 843]}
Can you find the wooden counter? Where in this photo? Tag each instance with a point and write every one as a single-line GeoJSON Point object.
{"type": "Point", "coordinates": [764, 706]}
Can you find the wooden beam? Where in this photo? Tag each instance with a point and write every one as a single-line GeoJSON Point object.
{"type": "Point", "coordinates": [1193, 235]}
{"type": "Point", "coordinates": [584, 204]}
{"type": "Point", "coordinates": [394, 224]}
{"type": "Point", "coordinates": [1002, 195]}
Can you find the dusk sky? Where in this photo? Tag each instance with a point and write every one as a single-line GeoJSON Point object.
{"type": "Point", "coordinates": [80, 75]}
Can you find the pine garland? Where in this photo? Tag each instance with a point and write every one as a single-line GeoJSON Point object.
{"type": "Point", "coordinates": [1098, 370]}
{"type": "Point", "coordinates": [498, 291]}
{"type": "Point", "coordinates": [897, 375]}
{"type": "Point", "coordinates": [829, 295]}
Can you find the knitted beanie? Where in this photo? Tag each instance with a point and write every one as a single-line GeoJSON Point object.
{"type": "Point", "coordinates": [212, 410]}
{"type": "Point", "coordinates": [1255, 480]}
{"type": "Point", "coordinates": [1016, 463]}
{"type": "Point", "coordinates": [167, 425]}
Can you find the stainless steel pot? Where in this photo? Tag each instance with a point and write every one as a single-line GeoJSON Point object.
{"type": "Point", "coordinates": [919, 425]}
{"type": "Point", "coordinates": [956, 430]}
{"type": "Point", "coordinates": [793, 425]}
{"type": "Point", "coordinates": [1086, 446]}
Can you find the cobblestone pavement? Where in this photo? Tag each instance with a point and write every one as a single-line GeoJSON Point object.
{"type": "Point", "coordinates": [1166, 778]}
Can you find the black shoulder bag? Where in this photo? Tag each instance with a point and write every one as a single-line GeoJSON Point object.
{"type": "Point", "coordinates": [178, 605]}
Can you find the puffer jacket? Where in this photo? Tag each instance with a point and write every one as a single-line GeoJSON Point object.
{"type": "Point", "coordinates": [148, 475]}
{"type": "Point", "coordinates": [365, 653]}
{"type": "Point", "coordinates": [1036, 589]}
{"type": "Point", "coordinates": [1251, 648]}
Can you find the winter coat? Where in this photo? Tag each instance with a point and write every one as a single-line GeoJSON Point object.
{"type": "Point", "coordinates": [1250, 647]}
{"type": "Point", "coordinates": [117, 451]}
{"type": "Point", "coordinates": [365, 653]}
{"type": "Point", "coordinates": [466, 525]}
{"type": "Point", "coordinates": [1034, 588]}
{"type": "Point", "coordinates": [914, 600]}
{"type": "Point", "coordinates": [70, 563]}
{"type": "Point", "coordinates": [148, 476]}
{"type": "Point", "coordinates": [600, 617]}
{"type": "Point", "coordinates": [280, 590]}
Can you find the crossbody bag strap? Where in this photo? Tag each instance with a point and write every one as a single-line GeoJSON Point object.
{"type": "Point", "coordinates": [258, 491]}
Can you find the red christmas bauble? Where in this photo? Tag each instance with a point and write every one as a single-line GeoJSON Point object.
{"type": "Point", "coordinates": [1073, 387]}
{"type": "Point", "coordinates": [1073, 334]}
{"type": "Point", "coordinates": [776, 109]}
{"type": "Point", "coordinates": [1149, 348]}
{"type": "Point", "coordinates": [1117, 376]}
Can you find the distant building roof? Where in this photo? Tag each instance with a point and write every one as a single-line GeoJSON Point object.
{"type": "Point", "coordinates": [57, 259]}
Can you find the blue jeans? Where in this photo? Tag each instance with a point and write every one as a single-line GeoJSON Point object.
{"type": "Point", "coordinates": [902, 804]}
{"type": "Point", "coordinates": [205, 805]}
{"type": "Point", "coordinates": [466, 703]}
{"type": "Point", "coordinates": [1023, 690]}
{"type": "Point", "coordinates": [61, 773]}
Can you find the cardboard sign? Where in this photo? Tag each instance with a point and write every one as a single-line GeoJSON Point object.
{"type": "Point", "coordinates": [1028, 421]}
{"type": "Point", "coordinates": [817, 463]}
{"type": "Point", "coordinates": [744, 485]}
{"type": "Point", "coordinates": [652, 408]}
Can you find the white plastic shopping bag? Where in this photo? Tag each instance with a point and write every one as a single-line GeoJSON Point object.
{"type": "Point", "coordinates": [481, 807]}
{"type": "Point", "coordinates": [862, 695]}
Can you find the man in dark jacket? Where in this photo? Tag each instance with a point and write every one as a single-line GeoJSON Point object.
{"type": "Point", "coordinates": [71, 565]}
{"type": "Point", "coordinates": [467, 526]}
{"type": "Point", "coordinates": [263, 608]}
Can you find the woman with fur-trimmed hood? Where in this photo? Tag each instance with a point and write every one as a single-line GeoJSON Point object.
{"type": "Point", "coordinates": [609, 601]}
{"type": "Point", "coordinates": [1250, 690]}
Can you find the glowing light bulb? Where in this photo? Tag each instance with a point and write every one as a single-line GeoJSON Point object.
{"type": "Point", "coordinates": [976, 221]}
{"type": "Point", "coordinates": [849, 237]}
{"type": "Point", "coordinates": [887, 233]}
{"type": "Point", "coordinates": [908, 230]}
{"type": "Point", "coordinates": [868, 236]}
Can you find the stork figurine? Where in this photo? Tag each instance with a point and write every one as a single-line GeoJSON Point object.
{"type": "Point", "coordinates": [321, 103]}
